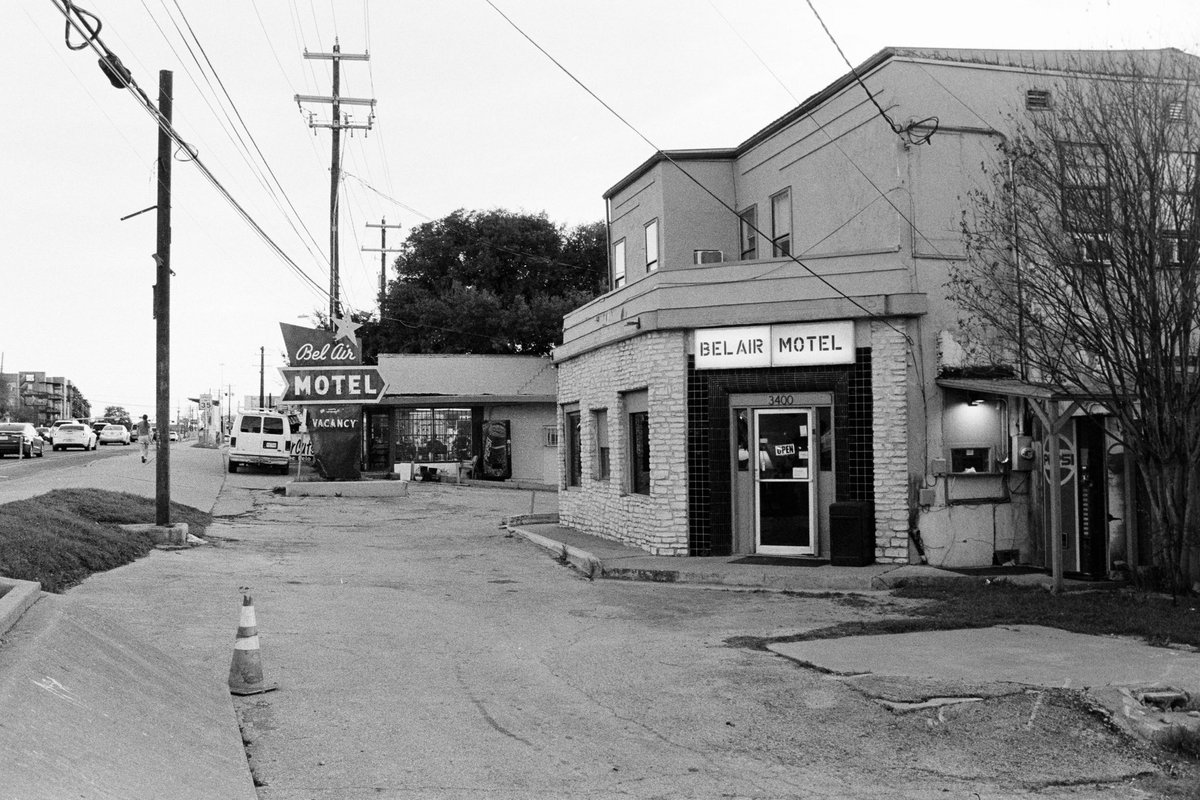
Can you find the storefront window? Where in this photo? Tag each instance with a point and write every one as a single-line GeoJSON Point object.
{"type": "Point", "coordinates": [600, 419]}
{"type": "Point", "coordinates": [639, 451]}
{"type": "Point", "coordinates": [434, 434]}
{"type": "Point", "coordinates": [574, 448]}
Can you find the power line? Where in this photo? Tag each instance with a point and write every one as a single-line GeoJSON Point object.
{"type": "Point", "coordinates": [721, 201]}
{"type": "Point", "coordinates": [246, 127]}
{"type": "Point", "coordinates": [905, 132]}
{"type": "Point", "coordinates": [122, 78]}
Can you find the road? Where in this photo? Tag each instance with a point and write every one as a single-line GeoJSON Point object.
{"type": "Point", "coordinates": [115, 467]}
{"type": "Point", "coordinates": [424, 653]}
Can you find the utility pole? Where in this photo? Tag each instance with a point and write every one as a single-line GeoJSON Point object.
{"type": "Point", "coordinates": [162, 304]}
{"type": "Point", "coordinates": [383, 251]}
{"type": "Point", "coordinates": [262, 362]}
{"type": "Point", "coordinates": [336, 124]}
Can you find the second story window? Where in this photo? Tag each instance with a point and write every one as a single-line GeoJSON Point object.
{"type": "Point", "coordinates": [1177, 207]}
{"type": "Point", "coordinates": [619, 264]}
{"type": "Point", "coordinates": [652, 245]}
{"type": "Point", "coordinates": [781, 223]}
{"type": "Point", "coordinates": [747, 223]}
{"type": "Point", "coordinates": [1085, 200]}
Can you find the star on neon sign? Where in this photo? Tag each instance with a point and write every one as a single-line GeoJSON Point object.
{"type": "Point", "coordinates": [346, 329]}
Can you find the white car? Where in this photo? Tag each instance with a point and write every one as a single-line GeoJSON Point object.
{"type": "Point", "coordinates": [174, 437]}
{"type": "Point", "coordinates": [74, 434]}
{"type": "Point", "coordinates": [114, 434]}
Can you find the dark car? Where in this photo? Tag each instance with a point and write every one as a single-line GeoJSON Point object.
{"type": "Point", "coordinates": [20, 438]}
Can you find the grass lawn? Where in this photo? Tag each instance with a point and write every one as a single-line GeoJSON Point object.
{"type": "Point", "coordinates": [61, 537]}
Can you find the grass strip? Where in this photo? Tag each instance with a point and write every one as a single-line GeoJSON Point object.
{"type": "Point", "coordinates": [61, 537]}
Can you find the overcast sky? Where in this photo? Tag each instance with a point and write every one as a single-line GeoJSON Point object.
{"type": "Point", "coordinates": [470, 115]}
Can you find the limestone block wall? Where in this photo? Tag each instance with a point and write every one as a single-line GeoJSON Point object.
{"type": "Point", "coordinates": [890, 417]}
{"type": "Point", "coordinates": [657, 363]}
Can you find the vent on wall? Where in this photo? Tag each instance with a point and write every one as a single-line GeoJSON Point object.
{"type": "Point", "coordinates": [1037, 98]}
{"type": "Point", "coordinates": [707, 256]}
{"type": "Point", "coordinates": [550, 436]}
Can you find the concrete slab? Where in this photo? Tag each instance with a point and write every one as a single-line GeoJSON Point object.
{"type": "Point", "coordinates": [1027, 654]}
{"type": "Point", "coordinates": [346, 488]}
{"type": "Point", "coordinates": [91, 710]}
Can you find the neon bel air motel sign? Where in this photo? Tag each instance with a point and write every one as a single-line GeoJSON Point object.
{"type": "Point", "coordinates": [788, 345]}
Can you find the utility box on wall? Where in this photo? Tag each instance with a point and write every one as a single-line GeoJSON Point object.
{"type": "Point", "coordinates": [1022, 455]}
{"type": "Point", "coordinates": [852, 533]}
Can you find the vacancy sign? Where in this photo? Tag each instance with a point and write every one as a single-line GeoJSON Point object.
{"type": "Point", "coordinates": [338, 384]}
{"type": "Point", "coordinates": [789, 345]}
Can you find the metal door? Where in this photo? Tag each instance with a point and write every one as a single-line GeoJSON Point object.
{"type": "Point", "coordinates": [784, 482]}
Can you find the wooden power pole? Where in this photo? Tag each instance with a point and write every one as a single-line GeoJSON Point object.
{"type": "Point", "coordinates": [383, 251]}
{"type": "Point", "coordinates": [336, 125]}
{"type": "Point", "coordinates": [162, 304]}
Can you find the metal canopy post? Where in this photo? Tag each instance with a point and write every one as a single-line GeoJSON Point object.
{"type": "Point", "coordinates": [1054, 420]}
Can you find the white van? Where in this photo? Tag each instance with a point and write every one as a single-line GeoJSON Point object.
{"type": "Point", "coordinates": [262, 437]}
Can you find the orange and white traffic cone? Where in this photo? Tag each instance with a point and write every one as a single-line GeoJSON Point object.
{"type": "Point", "coordinates": [245, 673]}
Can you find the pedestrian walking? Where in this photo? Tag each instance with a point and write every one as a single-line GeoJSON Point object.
{"type": "Point", "coordinates": [143, 429]}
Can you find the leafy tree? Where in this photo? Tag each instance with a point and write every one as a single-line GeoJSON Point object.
{"type": "Point", "coordinates": [79, 406]}
{"type": "Point", "coordinates": [1082, 268]}
{"type": "Point", "coordinates": [118, 414]}
{"type": "Point", "coordinates": [487, 282]}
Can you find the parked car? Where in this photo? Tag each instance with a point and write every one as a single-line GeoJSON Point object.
{"type": "Point", "coordinates": [74, 434]}
{"type": "Point", "coordinates": [174, 436]}
{"type": "Point", "coordinates": [20, 438]}
{"type": "Point", "coordinates": [114, 434]}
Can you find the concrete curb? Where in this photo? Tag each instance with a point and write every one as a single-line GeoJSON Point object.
{"type": "Point", "coordinates": [176, 534]}
{"type": "Point", "coordinates": [16, 597]}
{"type": "Point", "coordinates": [582, 560]}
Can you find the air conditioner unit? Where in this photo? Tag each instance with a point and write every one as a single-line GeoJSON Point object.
{"type": "Point", "coordinates": [708, 256]}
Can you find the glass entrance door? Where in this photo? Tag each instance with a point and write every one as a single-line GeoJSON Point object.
{"type": "Point", "coordinates": [784, 482]}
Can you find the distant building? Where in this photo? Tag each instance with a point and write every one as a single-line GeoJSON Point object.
{"type": "Point", "coordinates": [45, 396]}
{"type": "Point", "coordinates": [490, 415]}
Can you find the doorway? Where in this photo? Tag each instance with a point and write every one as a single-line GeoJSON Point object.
{"type": "Point", "coordinates": [784, 482]}
{"type": "Point", "coordinates": [781, 472]}
{"type": "Point", "coordinates": [376, 450]}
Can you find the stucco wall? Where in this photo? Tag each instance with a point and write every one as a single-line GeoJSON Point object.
{"type": "Point", "coordinates": [530, 461]}
{"type": "Point", "coordinates": [656, 362]}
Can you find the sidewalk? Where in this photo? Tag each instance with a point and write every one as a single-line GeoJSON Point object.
{"type": "Point", "coordinates": [92, 708]}
{"type": "Point", "coordinates": [604, 558]}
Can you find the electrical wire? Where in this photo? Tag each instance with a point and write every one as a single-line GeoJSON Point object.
{"type": "Point", "coordinates": [905, 132]}
{"type": "Point", "coordinates": [92, 39]}
{"type": "Point", "coordinates": [699, 184]}
{"type": "Point", "coordinates": [249, 134]}
{"type": "Point", "coordinates": [546, 259]}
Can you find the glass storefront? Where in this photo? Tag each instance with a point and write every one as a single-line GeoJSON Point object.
{"type": "Point", "coordinates": [433, 434]}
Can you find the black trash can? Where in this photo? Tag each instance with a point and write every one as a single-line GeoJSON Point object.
{"type": "Point", "coordinates": [852, 533]}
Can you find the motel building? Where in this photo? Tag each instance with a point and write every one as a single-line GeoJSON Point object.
{"type": "Point", "coordinates": [724, 399]}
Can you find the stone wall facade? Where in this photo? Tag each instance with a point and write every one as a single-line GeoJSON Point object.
{"type": "Point", "coordinates": [890, 421]}
{"type": "Point", "coordinates": [599, 380]}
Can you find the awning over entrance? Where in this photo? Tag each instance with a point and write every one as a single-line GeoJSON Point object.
{"type": "Point", "coordinates": [1054, 406]}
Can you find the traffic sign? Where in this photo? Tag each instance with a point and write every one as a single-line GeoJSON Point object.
{"type": "Point", "coordinates": [335, 384]}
